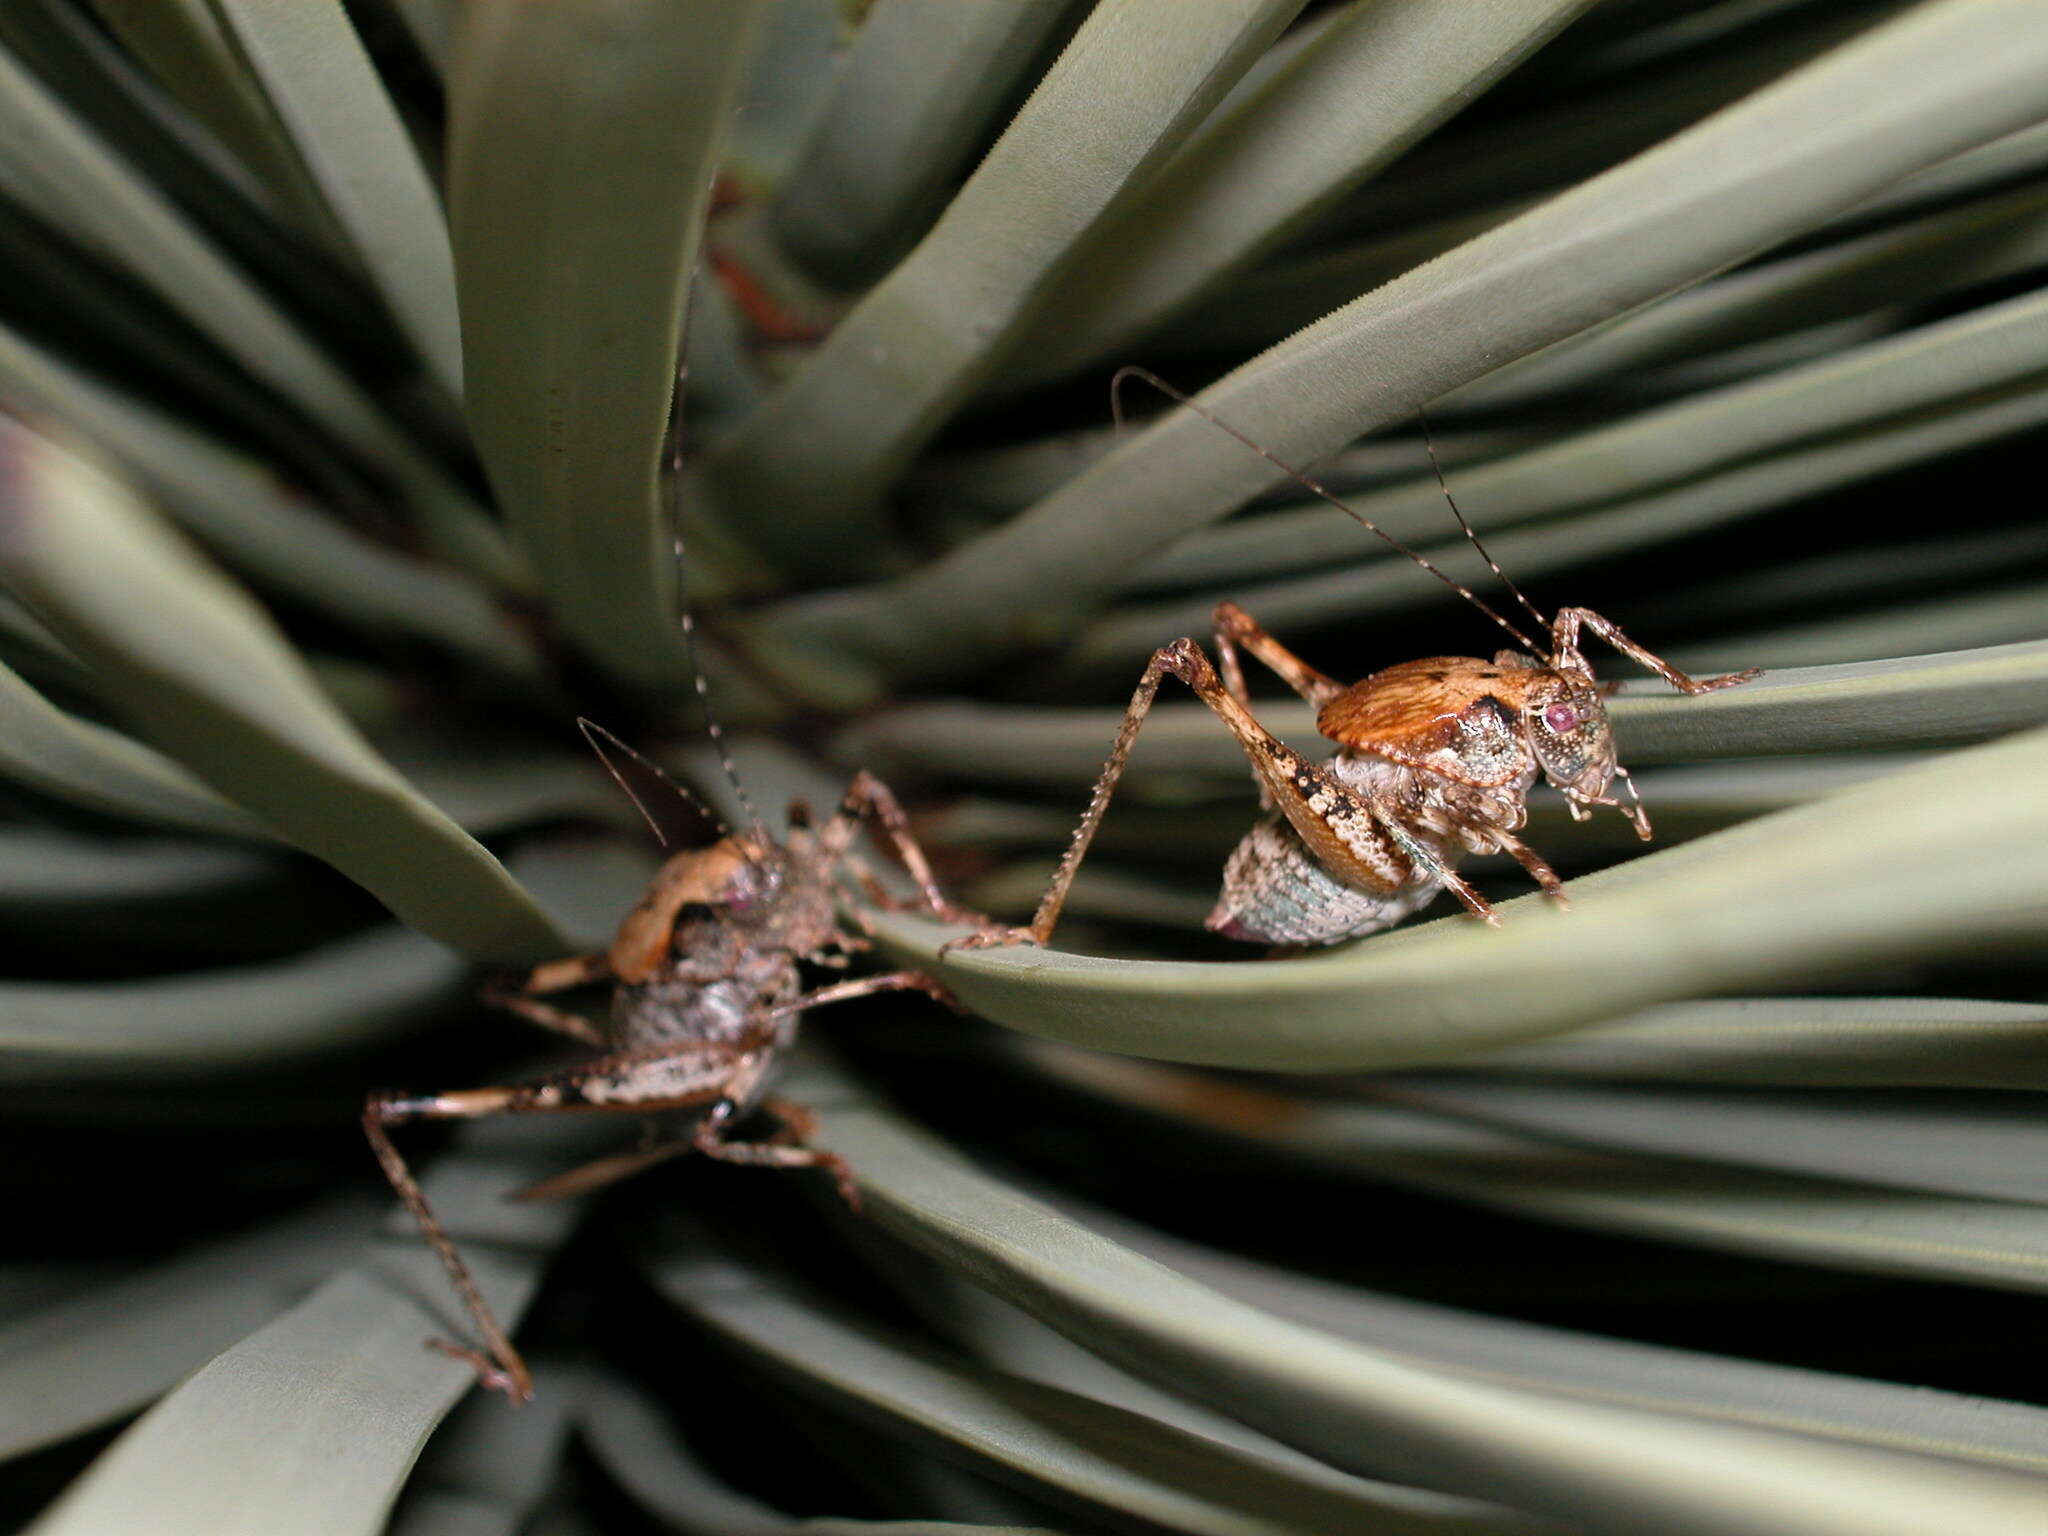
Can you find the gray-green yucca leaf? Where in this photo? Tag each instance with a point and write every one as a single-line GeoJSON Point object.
{"type": "Point", "coordinates": [110, 1350]}
{"type": "Point", "coordinates": [189, 656]}
{"type": "Point", "coordinates": [573, 283]}
{"type": "Point", "coordinates": [52, 161]}
{"type": "Point", "coordinates": [249, 1443]}
{"type": "Point", "coordinates": [1615, 1370]}
{"type": "Point", "coordinates": [1590, 1467]}
{"type": "Point", "coordinates": [1882, 868]}
{"type": "Point", "coordinates": [1786, 1217]}
{"type": "Point", "coordinates": [1534, 1288]}
{"type": "Point", "coordinates": [1985, 350]}
{"type": "Point", "coordinates": [186, 47]}
{"type": "Point", "coordinates": [323, 89]}
{"type": "Point", "coordinates": [1798, 1042]}
{"type": "Point", "coordinates": [361, 988]}
{"type": "Point", "coordinates": [1372, 81]}
{"type": "Point", "coordinates": [625, 1432]}
{"type": "Point", "coordinates": [259, 525]}
{"type": "Point", "coordinates": [89, 765]}
{"type": "Point", "coordinates": [434, 25]}
{"type": "Point", "coordinates": [1958, 72]}
{"type": "Point", "coordinates": [1091, 1453]}
{"type": "Point", "coordinates": [1391, 586]}
{"type": "Point", "coordinates": [1975, 1150]}
{"type": "Point", "coordinates": [918, 82]}
{"type": "Point", "coordinates": [487, 1471]}
{"type": "Point", "coordinates": [1128, 88]}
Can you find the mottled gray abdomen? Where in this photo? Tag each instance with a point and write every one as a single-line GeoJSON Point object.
{"type": "Point", "coordinates": [1274, 892]}
{"type": "Point", "coordinates": [673, 1008]}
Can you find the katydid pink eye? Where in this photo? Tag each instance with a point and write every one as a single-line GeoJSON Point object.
{"type": "Point", "coordinates": [1561, 718]}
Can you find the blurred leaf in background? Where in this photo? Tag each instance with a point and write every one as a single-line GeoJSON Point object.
{"type": "Point", "coordinates": [337, 349]}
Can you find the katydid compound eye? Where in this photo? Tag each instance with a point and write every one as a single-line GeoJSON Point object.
{"type": "Point", "coordinates": [1561, 718]}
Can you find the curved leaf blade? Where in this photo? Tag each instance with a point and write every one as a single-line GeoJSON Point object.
{"type": "Point", "coordinates": [1898, 1141]}
{"type": "Point", "coordinates": [583, 138]}
{"type": "Point", "coordinates": [186, 653]}
{"type": "Point", "coordinates": [1938, 80]}
{"type": "Point", "coordinates": [1594, 1468]}
{"type": "Point", "coordinates": [1374, 80]}
{"type": "Point", "coordinates": [1784, 1217]}
{"type": "Point", "coordinates": [1600, 1369]}
{"type": "Point", "coordinates": [1881, 868]}
{"type": "Point", "coordinates": [1127, 89]}
{"type": "Point", "coordinates": [348, 135]}
{"type": "Point", "coordinates": [342, 994]}
{"type": "Point", "coordinates": [1800, 1042]}
{"type": "Point", "coordinates": [185, 46]}
{"type": "Point", "coordinates": [920, 83]}
{"type": "Point", "coordinates": [1059, 1443]}
{"type": "Point", "coordinates": [626, 1433]}
{"type": "Point", "coordinates": [1880, 384]}
{"type": "Point", "coordinates": [57, 165]}
{"type": "Point", "coordinates": [260, 525]}
{"type": "Point", "coordinates": [249, 1443]}
{"type": "Point", "coordinates": [88, 1360]}
{"type": "Point", "coordinates": [88, 765]}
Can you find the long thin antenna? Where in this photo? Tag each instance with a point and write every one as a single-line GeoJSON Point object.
{"type": "Point", "coordinates": [672, 503]}
{"type": "Point", "coordinates": [1429, 447]}
{"type": "Point", "coordinates": [592, 731]}
{"type": "Point", "coordinates": [1309, 483]}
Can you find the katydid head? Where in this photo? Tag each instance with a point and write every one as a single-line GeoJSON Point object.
{"type": "Point", "coordinates": [1566, 722]}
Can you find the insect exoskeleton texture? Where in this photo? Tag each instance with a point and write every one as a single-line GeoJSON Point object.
{"type": "Point", "coordinates": [1435, 759]}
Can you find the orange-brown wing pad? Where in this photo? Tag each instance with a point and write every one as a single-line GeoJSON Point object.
{"type": "Point", "coordinates": [696, 876]}
{"type": "Point", "coordinates": [1411, 713]}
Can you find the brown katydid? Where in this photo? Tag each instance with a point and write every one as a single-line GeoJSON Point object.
{"type": "Point", "coordinates": [1434, 759]}
{"type": "Point", "coordinates": [707, 993]}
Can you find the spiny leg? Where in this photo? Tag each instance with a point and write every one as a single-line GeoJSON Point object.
{"type": "Point", "coordinates": [1327, 816]}
{"type": "Point", "coordinates": [499, 1366]}
{"type": "Point", "coordinates": [1564, 642]}
{"type": "Point", "coordinates": [781, 1149]}
{"type": "Point", "coordinates": [799, 1121]}
{"type": "Point", "coordinates": [868, 797]}
{"type": "Point", "coordinates": [710, 1137]}
{"type": "Point", "coordinates": [1235, 627]}
{"type": "Point", "coordinates": [866, 986]}
{"type": "Point", "coordinates": [555, 976]}
{"type": "Point", "coordinates": [1426, 857]}
{"type": "Point", "coordinates": [599, 1173]}
{"type": "Point", "coordinates": [1339, 829]}
{"type": "Point", "coordinates": [883, 898]}
{"type": "Point", "coordinates": [1039, 930]}
{"type": "Point", "coordinates": [1232, 626]}
{"type": "Point", "coordinates": [1538, 867]}
{"type": "Point", "coordinates": [1637, 813]}
{"type": "Point", "coordinates": [631, 1081]}
{"type": "Point", "coordinates": [799, 1124]}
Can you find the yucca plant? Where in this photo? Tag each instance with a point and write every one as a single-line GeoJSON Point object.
{"type": "Point", "coordinates": [337, 352]}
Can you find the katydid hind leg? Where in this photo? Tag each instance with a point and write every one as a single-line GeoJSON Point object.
{"type": "Point", "coordinates": [634, 1082]}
